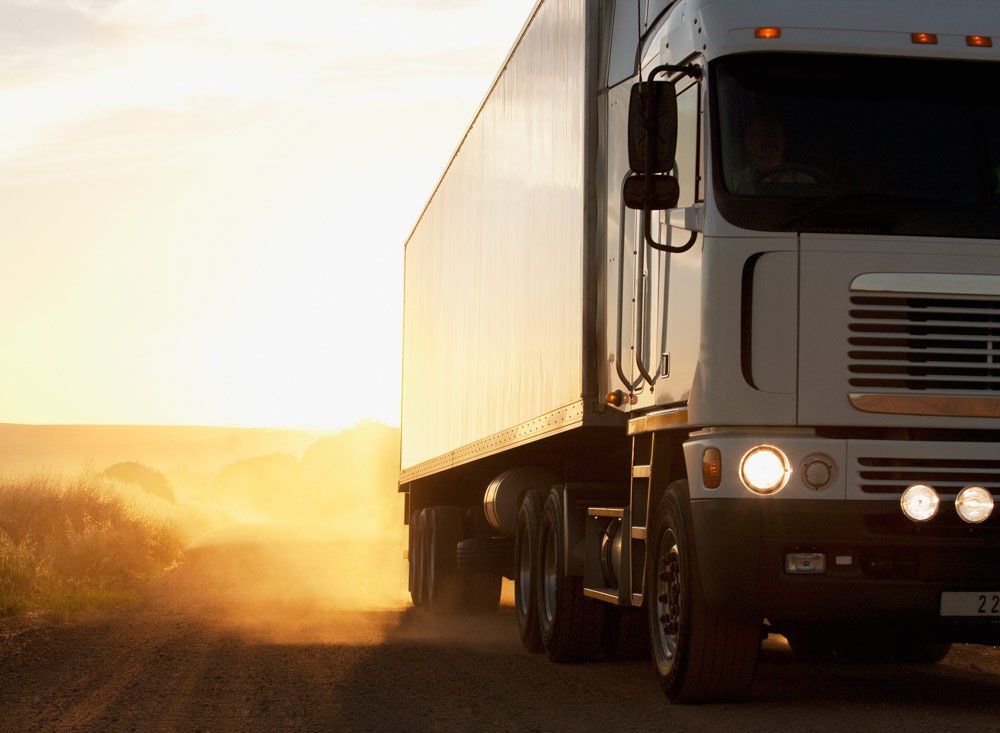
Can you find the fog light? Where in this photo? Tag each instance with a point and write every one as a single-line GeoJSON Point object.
{"type": "Point", "coordinates": [805, 563]}
{"type": "Point", "coordinates": [817, 471]}
{"type": "Point", "coordinates": [974, 504]}
{"type": "Point", "coordinates": [920, 502]}
{"type": "Point", "coordinates": [765, 469]}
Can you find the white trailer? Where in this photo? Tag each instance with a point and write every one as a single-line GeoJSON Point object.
{"type": "Point", "coordinates": [702, 336]}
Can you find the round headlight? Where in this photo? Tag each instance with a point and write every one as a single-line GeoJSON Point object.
{"type": "Point", "coordinates": [974, 504]}
{"type": "Point", "coordinates": [920, 502]}
{"type": "Point", "coordinates": [765, 469]}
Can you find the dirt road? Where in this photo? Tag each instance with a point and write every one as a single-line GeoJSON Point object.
{"type": "Point", "coordinates": [237, 639]}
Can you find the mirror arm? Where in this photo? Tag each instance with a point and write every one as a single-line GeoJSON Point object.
{"type": "Point", "coordinates": [695, 72]}
{"type": "Point", "coordinates": [692, 70]}
{"type": "Point", "coordinates": [647, 235]}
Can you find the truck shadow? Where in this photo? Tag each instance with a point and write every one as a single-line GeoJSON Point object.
{"type": "Point", "coordinates": [470, 672]}
{"type": "Point", "coordinates": [968, 678]}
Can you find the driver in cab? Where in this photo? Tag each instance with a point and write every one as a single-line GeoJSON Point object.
{"type": "Point", "coordinates": [764, 142]}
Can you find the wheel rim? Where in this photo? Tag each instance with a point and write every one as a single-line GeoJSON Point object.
{"type": "Point", "coordinates": [524, 578]}
{"type": "Point", "coordinates": [550, 575]}
{"type": "Point", "coordinates": [669, 590]}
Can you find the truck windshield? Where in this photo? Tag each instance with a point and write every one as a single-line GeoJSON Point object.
{"type": "Point", "coordinates": [858, 144]}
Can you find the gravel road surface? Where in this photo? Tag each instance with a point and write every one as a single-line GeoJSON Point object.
{"type": "Point", "coordinates": [238, 639]}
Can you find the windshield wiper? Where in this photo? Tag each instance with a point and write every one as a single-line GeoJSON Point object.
{"type": "Point", "coordinates": [860, 196]}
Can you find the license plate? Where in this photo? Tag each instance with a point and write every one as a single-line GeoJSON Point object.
{"type": "Point", "coordinates": [982, 605]}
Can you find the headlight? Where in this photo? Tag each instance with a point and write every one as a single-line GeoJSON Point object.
{"type": "Point", "coordinates": [974, 504]}
{"type": "Point", "coordinates": [920, 502]}
{"type": "Point", "coordinates": [765, 469]}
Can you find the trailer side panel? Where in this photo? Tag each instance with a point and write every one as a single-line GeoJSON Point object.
{"type": "Point", "coordinates": [493, 315]}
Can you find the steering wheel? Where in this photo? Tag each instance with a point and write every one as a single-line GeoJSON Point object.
{"type": "Point", "coordinates": [818, 175]}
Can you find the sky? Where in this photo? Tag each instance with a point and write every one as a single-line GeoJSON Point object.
{"type": "Point", "coordinates": [203, 203]}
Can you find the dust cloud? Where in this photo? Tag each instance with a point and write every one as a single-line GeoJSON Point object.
{"type": "Point", "coordinates": [278, 546]}
{"type": "Point", "coordinates": [311, 538]}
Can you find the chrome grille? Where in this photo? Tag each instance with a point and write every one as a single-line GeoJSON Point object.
{"type": "Point", "coordinates": [882, 475]}
{"type": "Point", "coordinates": [925, 343]}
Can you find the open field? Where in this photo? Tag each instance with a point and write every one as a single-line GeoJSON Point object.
{"type": "Point", "coordinates": [273, 635]}
{"type": "Point", "coordinates": [72, 448]}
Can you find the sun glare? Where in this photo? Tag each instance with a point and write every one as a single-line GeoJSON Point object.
{"type": "Point", "coordinates": [204, 204]}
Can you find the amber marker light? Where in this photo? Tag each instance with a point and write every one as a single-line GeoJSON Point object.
{"type": "Point", "coordinates": [929, 39]}
{"type": "Point", "coordinates": [711, 468]}
{"type": "Point", "coordinates": [979, 41]}
{"type": "Point", "coordinates": [616, 398]}
{"type": "Point", "coordinates": [768, 31]}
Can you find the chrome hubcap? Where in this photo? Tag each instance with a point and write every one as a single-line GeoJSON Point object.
{"type": "Point", "coordinates": [668, 599]}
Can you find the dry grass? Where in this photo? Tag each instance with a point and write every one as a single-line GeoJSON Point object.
{"type": "Point", "coordinates": [69, 544]}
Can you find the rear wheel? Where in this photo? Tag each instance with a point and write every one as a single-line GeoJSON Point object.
{"type": "Point", "coordinates": [526, 569]}
{"type": "Point", "coordinates": [418, 585]}
{"type": "Point", "coordinates": [701, 654]}
{"type": "Point", "coordinates": [445, 529]}
{"type": "Point", "coordinates": [571, 624]}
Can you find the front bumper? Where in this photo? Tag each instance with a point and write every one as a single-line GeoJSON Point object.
{"type": "Point", "coordinates": [881, 568]}
{"type": "Point", "coordinates": [896, 574]}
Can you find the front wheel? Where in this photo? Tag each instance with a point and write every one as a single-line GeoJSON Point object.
{"type": "Point", "coordinates": [701, 654]}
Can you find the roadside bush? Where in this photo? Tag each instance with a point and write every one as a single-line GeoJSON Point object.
{"type": "Point", "coordinates": [149, 479]}
{"type": "Point", "coordinates": [84, 537]}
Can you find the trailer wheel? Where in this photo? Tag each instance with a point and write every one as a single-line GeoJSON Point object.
{"type": "Point", "coordinates": [701, 654]}
{"type": "Point", "coordinates": [571, 624]}
{"type": "Point", "coordinates": [418, 568]}
{"type": "Point", "coordinates": [480, 560]}
{"type": "Point", "coordinates": [445, 528]}
{"type": "Point", "coordinates": [526, 571]}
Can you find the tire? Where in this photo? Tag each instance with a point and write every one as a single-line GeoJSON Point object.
{"type": "Point", "coordinates": [526, 571]}
{"type": "Point", "coordinates": [701, 654]}
{"type": "Point", "coordinates": [480, 591]}
{"type": "Point", "coordinates": [571, 624]}
{"type": "Point", "coordinates": [480, 563]}
{"type": "Point", "coordinates": [626, 634]}
{"type": "Point", "coordinates": [418, 585]}
{"type": "Point", "coordinates": [445, 529]}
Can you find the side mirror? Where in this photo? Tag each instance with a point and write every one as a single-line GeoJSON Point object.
{"type": "Point", "coordinates": [651, 193]}
{"type": "Point", "coordinates": [652, 127]}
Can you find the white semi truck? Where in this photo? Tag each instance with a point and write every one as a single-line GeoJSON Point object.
{"type": "Point", "coordinates": [702, 336]}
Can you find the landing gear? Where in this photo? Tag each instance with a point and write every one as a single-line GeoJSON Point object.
{"type": "Point", "coordinates": [702, 654]}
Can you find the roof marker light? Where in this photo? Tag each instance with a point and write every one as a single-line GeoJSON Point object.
{"type": "Point", "coordinates": [924, 38]}
{"type": "Point", "coordinates": [980, 41]}
{"type": "Point", "coordinates": [769, 31]}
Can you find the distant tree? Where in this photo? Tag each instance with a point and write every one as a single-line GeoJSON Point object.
{"type": "Point", "coordinates": [143, 476]}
